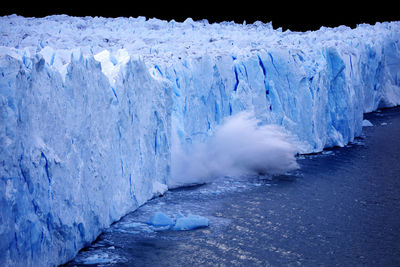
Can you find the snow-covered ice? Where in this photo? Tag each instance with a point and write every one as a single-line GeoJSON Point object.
{"type": "Point", "coordinates": [93, 109]}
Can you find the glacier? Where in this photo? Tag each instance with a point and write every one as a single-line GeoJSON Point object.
{"type": "Point", "coordinates": [91, 110]}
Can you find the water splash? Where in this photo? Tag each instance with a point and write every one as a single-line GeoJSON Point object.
{"type": "Point", "coordinates": [240, 146]}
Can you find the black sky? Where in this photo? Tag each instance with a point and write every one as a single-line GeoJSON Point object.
{"type": "Point", "coordinates": [295, 15]}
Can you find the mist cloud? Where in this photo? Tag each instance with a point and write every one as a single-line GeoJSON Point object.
{"type": "Point", "coordinates": [240, 146]}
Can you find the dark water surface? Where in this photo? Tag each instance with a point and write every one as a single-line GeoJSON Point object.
{"type": "Point", "coordinates": [341, 208]}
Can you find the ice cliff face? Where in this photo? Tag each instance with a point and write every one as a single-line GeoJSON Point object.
{"type": "Point", "coordinates": [91, 107]}
{"type": "Point", "coordinates": [75, 155]}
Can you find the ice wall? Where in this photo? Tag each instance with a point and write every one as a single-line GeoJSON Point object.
{"type": "Point", "coordinates": [318, 94]}
{"type": "Point", "coordinates": [76, 155]}
{"type": "Point", "coordinates": [90, 109]}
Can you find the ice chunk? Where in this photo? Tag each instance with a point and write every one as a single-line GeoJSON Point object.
{"type": "Point", "coordinates": [107, 66]}
{"type": "Point", "coordinates": [48, 54]}
{"type": "Point", "coordinates": [98, 259]}
{"type": "Point", "coordinates": [112, 62]}
{"type": "Point", "coordinates": [366, 123]}
{"type": "Point", "coordinates": [159, 188]}
{"type": "Point", "coordinates": [190, 222]}
{"type": "Point", "coordinates": [161, 219]}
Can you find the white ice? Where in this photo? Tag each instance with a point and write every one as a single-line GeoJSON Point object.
{"type": "Point", "coordinates": [366, 123]}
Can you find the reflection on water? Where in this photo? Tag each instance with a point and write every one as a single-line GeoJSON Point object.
{"type": "Point", "coordinates": [341, 208]}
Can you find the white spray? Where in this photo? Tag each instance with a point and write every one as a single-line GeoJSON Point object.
{"type": "Point", "coordinates": [240, 146]}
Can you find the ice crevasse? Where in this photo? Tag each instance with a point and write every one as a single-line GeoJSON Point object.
{"type": "Point", "coordinates": [90, 109]}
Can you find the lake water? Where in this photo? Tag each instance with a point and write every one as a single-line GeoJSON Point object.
{"type": "Point", "coordinates": [341, 208]}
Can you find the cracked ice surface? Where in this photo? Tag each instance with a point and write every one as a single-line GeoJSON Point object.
{"type": "Point", "coordinates": [90, 109]}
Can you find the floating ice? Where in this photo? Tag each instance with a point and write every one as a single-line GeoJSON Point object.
{"type": "Point", "coordinates": [161, 219]}
{"type": "Point", "coordinates": [99, 259]}
{"type": "Point", "coordinates": [366, 123]}
{"type": "Point", "coordinates": [190, 222]}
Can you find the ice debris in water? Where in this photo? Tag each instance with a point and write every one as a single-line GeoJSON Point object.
{"type": "Point", "coordinates": [181, 223]}
{"type": "Point", "coordinates": [366, 123]}
{"type": "Point", "coordinates": [161, 219]}
{"type": "Point", "coordinates": [190, 222]}
{"type": "Point", "coordinates": [100, 259]}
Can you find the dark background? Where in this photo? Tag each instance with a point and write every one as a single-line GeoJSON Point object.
{"type": "Point", "coordinates": [296, 15]}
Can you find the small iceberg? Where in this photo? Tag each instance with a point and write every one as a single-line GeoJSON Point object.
{"type": "Point", "coordinates": [160, 219]}
{"type": "Point", "coordinates": [182, 223]}
{"type": "Point", "coordinates": [366, 123]}
{"type": "Point", "coordinates": [190, 222]}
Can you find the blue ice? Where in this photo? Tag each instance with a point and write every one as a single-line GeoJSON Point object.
{"type": "Point", "coordinates": [190, 222]}
{"type": "Point", "coordinates": [161, 219]}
